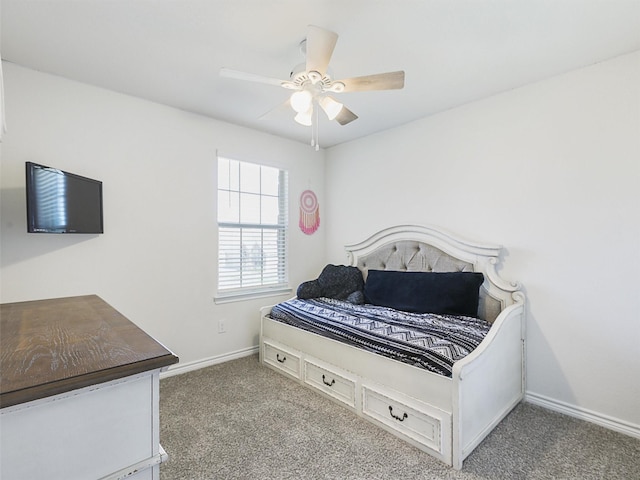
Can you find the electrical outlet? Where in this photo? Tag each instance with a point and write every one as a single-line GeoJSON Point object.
{"type": "Point", "coordinates": [222, 325]}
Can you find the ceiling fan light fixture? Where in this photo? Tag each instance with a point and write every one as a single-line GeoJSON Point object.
{"type": "Point", "coordinates": [301, 101]}
{"type": "Point", "coordinates": [305, 118]}
{"type": "Point", "coordinates": [331, 107]}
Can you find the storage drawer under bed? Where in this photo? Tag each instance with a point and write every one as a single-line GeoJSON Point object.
{"type": "Point", "coordinates": [282, 358]}
{"type": "Point", "coordinates": [420, 422]}
{"type": "Point", "coordinates": [331, 380]}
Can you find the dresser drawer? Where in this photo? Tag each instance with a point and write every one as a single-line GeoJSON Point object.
{"type": "Point", "coordinates": [331, 380]}
{"type": "Point", "coordinates": [426, 425]}
{"type": "Point", "coordinates": [281, 358]}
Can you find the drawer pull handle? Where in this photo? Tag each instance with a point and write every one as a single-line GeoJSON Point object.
{"type": "Point", "coordinates": [284, 359]}
{"type": "Point", "coordinates": [400, 419]}
{"type": "Point", "coordinates": [328, 384]}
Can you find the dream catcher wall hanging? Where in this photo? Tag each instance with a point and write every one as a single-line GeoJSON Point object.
{"type": "Point", "coordinates": [309, 212]}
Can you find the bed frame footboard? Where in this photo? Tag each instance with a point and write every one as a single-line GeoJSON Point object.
{"type": "Point", "coordinates": [488, 383]}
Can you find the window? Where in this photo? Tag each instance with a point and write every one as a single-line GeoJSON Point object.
{"type": "Point", "coordinates": [252, 229]}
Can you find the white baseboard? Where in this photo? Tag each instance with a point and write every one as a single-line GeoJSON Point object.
{"type": "Point", "coordinates": [584, 414]}
{"type": "Point", "coordinates": [207, 362]}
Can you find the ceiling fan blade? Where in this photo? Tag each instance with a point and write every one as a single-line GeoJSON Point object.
{"type": "Point", "coordinates": [380, 81]}
{"type": "Point", "coordinates": [320, 45]}
{"type": "Point", "coordinates": [252, 77]}
{"type": "Point", "coordinates": [280, 110]}
{"type": "Point", "coordinates": [345, 116]}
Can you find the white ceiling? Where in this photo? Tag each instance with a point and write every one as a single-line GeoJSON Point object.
{"type": "Point", "coordinates": [453, 51]}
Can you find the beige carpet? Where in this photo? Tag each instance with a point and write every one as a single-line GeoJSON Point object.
{"type": "Point", "coordinates": [239, 420]}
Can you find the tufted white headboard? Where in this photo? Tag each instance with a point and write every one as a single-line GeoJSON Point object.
{"type": "Point", "coordinates": [427, 249]}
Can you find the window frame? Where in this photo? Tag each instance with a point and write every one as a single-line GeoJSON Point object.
{"type": "Point", "coordinates": [260, 289]}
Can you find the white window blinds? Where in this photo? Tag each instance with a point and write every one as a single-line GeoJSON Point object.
{"type": "Point", "coordinates": [252, 228]}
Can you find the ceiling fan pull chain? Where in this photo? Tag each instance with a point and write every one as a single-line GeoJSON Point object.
{"type": "Point", "coordinates": [315, 126]}
{"type": "Point", "coordinates": [313, 141]}
{"type": "Point", "coordinates": [317, 123]}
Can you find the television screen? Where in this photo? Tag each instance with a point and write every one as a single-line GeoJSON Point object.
{"type": "Point", "coordinates": [62, 202]}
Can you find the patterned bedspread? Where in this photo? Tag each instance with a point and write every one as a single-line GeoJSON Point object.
{"type": "Point", "coordinates": [429, 341]}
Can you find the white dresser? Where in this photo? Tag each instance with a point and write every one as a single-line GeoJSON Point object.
{"type": "Point", "coordinates": [79, 393]}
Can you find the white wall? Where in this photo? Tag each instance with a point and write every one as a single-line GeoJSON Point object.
{"type": "Point", "coordinates": [552, 172]}
{"type": "Point", "coordinates": [156, 262]}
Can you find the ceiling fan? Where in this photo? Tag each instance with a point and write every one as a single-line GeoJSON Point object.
{"type": "Point", "coordinates": [312, 83]}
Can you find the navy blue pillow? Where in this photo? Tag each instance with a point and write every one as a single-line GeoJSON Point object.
{"type": "Point", "coordinates": [453, 293]}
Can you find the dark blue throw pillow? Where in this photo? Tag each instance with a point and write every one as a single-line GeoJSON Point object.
{"type": "Point", "coordinates": [453, 293]}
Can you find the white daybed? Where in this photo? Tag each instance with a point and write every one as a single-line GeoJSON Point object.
{"type": "Point", "coordinates": [445, 417]}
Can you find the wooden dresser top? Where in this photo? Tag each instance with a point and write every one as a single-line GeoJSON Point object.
{"type": "Point", "coordinates": [54, 346]}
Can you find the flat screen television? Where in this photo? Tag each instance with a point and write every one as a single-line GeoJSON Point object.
{"type": "Point", "coordinates": [62, 202]}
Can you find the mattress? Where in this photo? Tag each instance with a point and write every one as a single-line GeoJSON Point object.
{"type": "Point", "coordinates": [430, 341]}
